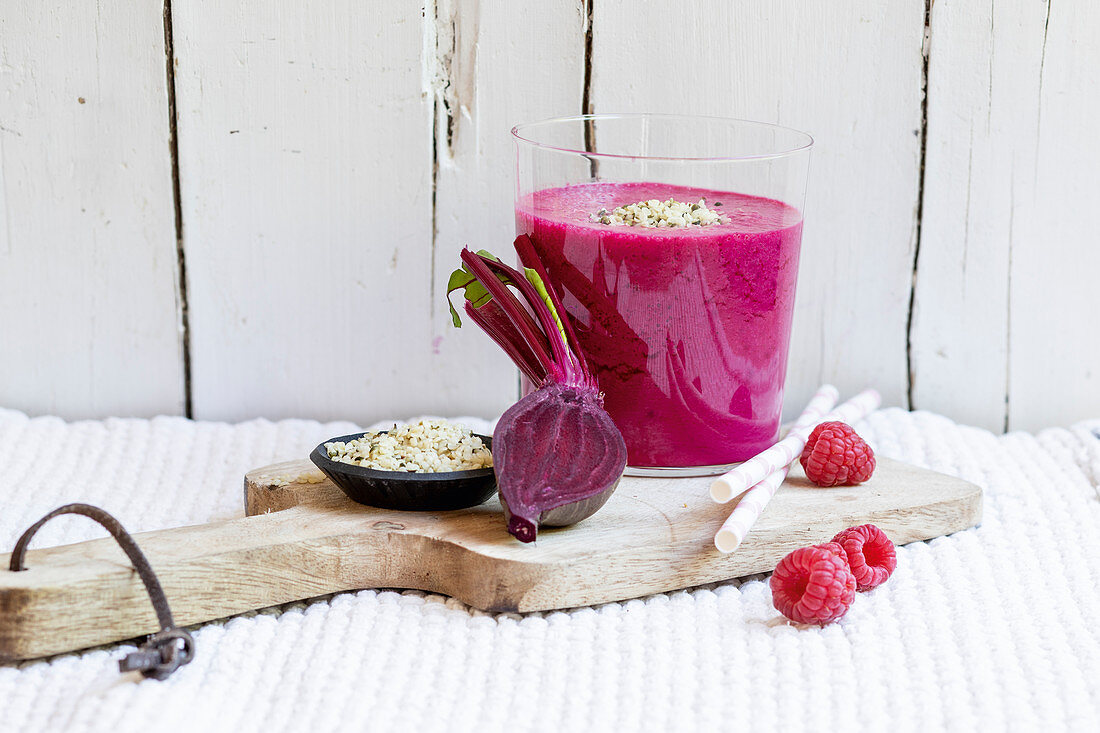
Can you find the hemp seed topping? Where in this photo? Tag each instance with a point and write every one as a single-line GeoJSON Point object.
{"type": "Point", "coordinates": [429, 446]}
{"type": "Point", "coordinates": [655, 213]}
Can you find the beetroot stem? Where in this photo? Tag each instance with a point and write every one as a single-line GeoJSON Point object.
{"type": "Point", "coordinates": [530, 259]}
{"type": "Point", "coordinates": [568, 366]}
{"type": "Point", "coordinates": [549, 326]}
{"type": "Point", "coordinates": [502, 331]}
{"type": "Point", "coordinates": [511, 306]}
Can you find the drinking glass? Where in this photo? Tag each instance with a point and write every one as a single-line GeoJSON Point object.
{"type": "Point", "coordinates": [686, 321]}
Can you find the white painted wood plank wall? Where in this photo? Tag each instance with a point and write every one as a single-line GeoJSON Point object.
{"type": "Point", "coordinates": [306, 180]}
{"type": "Point", "coordinates": [1003, 332]}
{"type": "Point", "coordinates": [88, 297]}
{"type": "Point", "coordinates": [1054, 347]}
{"type": "Point", "coordinates": [850, 74]}
{"type": "Point", "coordinates": [300, 128]}
{"type": "Point", "coordinates": [497, 65]}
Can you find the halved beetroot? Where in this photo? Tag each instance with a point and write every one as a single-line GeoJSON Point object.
{"type": "Point", "coordinates": [558, 457]}
{"type": "Point", "coordinates": [557, 454]}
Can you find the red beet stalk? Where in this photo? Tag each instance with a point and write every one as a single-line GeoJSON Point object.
{"type": "Point", "coordinates": [557, 454]}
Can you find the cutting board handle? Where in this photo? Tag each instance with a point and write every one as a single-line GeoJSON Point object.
{"type": "Point", "coordinates": [164, 652]}
{"type": "Point", "coordinates": [81, 595]}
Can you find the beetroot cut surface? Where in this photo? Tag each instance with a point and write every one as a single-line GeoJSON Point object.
{"type": "Point", "coordinates": [557, 454]}
{"type": "Point", "coordinates": [558, 457]}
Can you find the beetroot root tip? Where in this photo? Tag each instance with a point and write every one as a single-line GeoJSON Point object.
{"type": "Point", "coordinates": [522, 529]}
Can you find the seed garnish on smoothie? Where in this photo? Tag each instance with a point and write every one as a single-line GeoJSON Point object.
{"type": "Point", "coordinates": [657, 213]}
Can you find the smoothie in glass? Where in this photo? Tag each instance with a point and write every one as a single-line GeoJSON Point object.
{"type": "Point", "coordinates": [686, 327]}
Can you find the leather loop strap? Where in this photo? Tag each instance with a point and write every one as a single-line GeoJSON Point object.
{"type": "Point", "coordinates": [165, 651]}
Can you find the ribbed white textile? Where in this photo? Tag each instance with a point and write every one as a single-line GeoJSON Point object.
{"type": "Point", "coordinates": [996, 628]}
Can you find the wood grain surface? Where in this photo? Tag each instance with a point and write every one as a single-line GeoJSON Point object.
{"type": "Point", "coordinates": [305, 165]}
{"type": "Point", "coordinates": [89, 324]}
{"type": "Point", "coordinates": [307, 540]}
{"type": "Point", "coordinates": [1002, 285]}
{"type": "Point", "coordinates": [346, 150]}
{"type": "Point", "coordinates": [852, 79]}
{"type": "Point", "coordinates": [492, 69]}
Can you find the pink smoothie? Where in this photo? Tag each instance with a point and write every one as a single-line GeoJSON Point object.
{"type": "Point", "coordinates": [687, 328]}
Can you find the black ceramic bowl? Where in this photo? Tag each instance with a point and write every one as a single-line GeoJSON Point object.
{"type": "Point", "coordinates": [414, 492]}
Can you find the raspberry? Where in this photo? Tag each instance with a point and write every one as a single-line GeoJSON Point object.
{"type": "Point", "coordinates": [871, 555]}
{"type": "Point", "coordinates": [836, 549]}
{"type": "Point", "coordinates": [835, 455]}
{"type": "Point", "coordinates": [813, 585]}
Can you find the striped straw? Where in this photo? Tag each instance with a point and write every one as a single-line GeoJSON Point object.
{"type": "Point", "coordinates": [757, 468]}
{"type": "Point", "coordinates": [755, 499]}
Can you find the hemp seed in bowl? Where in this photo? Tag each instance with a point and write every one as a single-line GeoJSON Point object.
{"type": "Point", "coordinates": [429, 446]}
{"type": "Point", "coordinates": [430, 466]}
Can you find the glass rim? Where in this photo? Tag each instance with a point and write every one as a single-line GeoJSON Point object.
{"type": "Point", "coordinates": [519, 132]}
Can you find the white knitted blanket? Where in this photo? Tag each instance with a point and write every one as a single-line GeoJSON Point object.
{"type": "Point", "coordinates": [996, 628]}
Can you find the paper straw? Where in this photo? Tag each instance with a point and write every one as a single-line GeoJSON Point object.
{"type": "Point", "coordinates": [748, 510]}
{"type": "Point", "coordinates": [735, 528]}
{"type": "Point", "coordinates": [757, 468]}
{"type": "Point", "coordinates": [755, 500]}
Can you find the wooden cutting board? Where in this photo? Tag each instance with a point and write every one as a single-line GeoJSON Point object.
{"type": "Point", "coordinates": [303, 540]}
